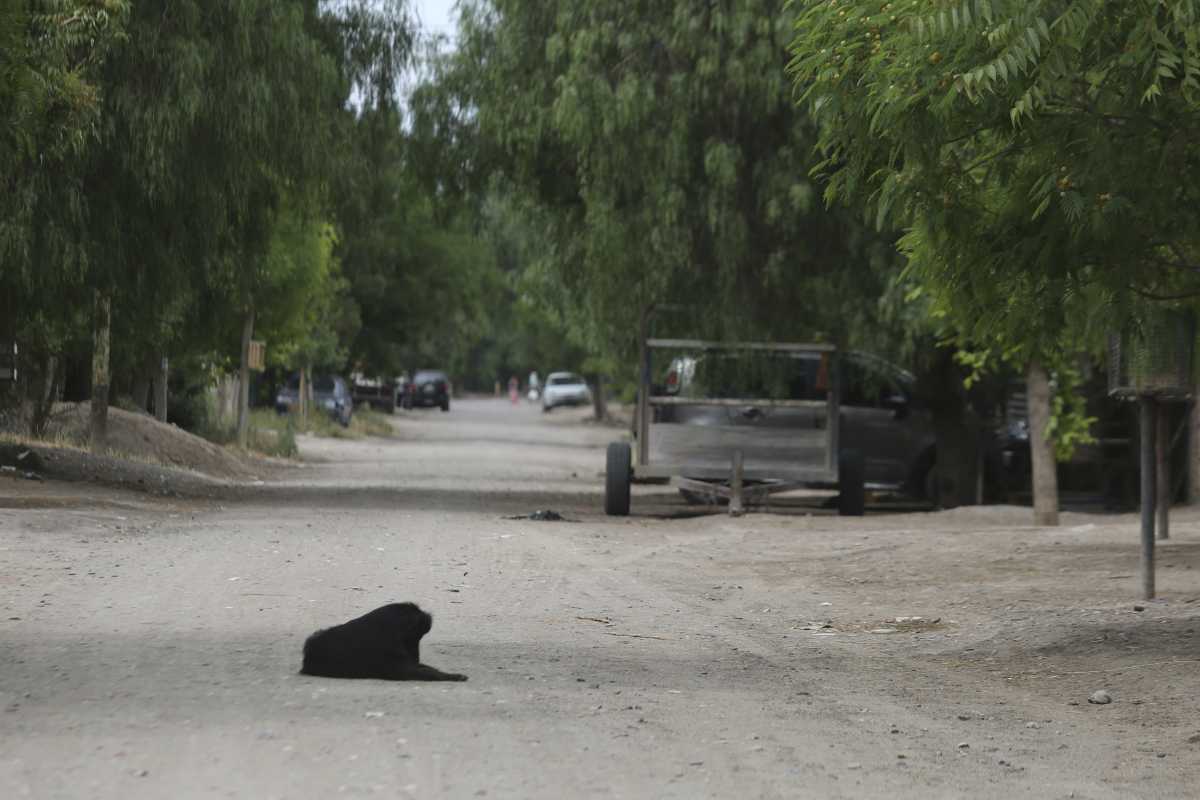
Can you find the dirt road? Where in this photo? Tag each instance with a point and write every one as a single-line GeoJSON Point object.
{"type": "Point", "coordinates": [149, 647]}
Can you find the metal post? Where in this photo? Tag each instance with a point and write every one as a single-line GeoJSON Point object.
{"type": "Point", "coordinates": [1148, 413]}
{"type": "Point", "coordinates": [643, 405]}
{"type": "Point", "coordinates": [736, 508]}
{"type": "Point", "coordinates": [1162, 448]}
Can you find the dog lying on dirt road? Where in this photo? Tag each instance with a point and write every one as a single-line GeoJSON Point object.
{"type": "Point", "coordinates": [384, 643]}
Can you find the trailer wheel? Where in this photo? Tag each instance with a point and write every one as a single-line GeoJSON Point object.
{"type": "Point", "coordinates": [852, 495]}
{"type": "Point", "coordinates": [618, 475]}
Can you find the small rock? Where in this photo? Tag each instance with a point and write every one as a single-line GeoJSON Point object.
{"type": "Point", "coordinates": [1160, 755]}
{"type": "Point", "coordinates": [1100, 698]}
{"type": "Point", "coordinates": [1194, 738]}
{"type": "Point", "coordinates": [964, 717]}
{"type": "Point", "coordinates": [1139, 608]}
{"type": "Point", "coordinates": [373, 714]}
{"type": "Point", "coordinates": [964, 745]}
{"type": "Point", "coordinates": [1032, 725]}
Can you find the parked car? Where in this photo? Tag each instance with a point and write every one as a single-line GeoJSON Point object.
{"type": "Point", "coordinates": [378, 393]}
{"type": "Point", "coordinates": [329, 392]}
{"type": "Point", "coordinates": [565, 389]}
{"type": "Point", "coordinates": [428, 387]}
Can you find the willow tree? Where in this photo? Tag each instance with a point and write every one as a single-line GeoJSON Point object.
{"type": "Point", "coordinates": [659, 151]}
{"type": "Point", "coordinates": [1038, 152]}
{"type": "Point", "coordinates": [51, 55]}
{"type": "Point", "coordinates": [214, 112]}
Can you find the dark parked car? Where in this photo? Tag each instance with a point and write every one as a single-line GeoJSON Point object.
{"type": "Point", "coordinates": [880, 416]}
{"type": "Point", "coordinates": [428, 387]}
{"type": "Point", "coordinates": [330, 394]}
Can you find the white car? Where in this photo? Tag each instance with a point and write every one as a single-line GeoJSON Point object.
{"type": "Point", "coordinates": [565, 389]}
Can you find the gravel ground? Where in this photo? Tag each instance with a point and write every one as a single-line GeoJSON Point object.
{"type": "Point", "coordinates": [149, 645]}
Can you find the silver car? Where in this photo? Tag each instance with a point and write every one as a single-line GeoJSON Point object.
{"type": "Point", "coordinates": [565, 389]}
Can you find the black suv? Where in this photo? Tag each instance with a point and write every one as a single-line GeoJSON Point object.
{"type": "Point", "coordinates": [429, 387]}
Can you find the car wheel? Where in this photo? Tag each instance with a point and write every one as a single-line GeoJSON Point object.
{"type": "Point", "coordinates": [618, 475]}
{"type": "Point", "coordinates": [852, 494]}
{"type": "Point", "coordinates": [546, 408]}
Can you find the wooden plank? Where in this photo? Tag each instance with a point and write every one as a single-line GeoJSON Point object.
{"type": "Point", "coordinates": [774, 347]}
{"type": "Point", "coordinates": [757, 402]}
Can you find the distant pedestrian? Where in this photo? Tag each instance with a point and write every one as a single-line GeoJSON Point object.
{"type": "Point", "coordinates": [535, 387]}
{"type": "Point", "coordinates": [514, 390]}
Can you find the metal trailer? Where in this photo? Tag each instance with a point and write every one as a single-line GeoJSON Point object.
{"type": "Point", "coordinates": [742, 462]}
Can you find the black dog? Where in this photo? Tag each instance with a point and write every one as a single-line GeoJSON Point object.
{"type": "Point", "coordinates": [384, 643]}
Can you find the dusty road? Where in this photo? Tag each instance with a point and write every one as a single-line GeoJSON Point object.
{"type": "Point", "coordinates": [149, 648]}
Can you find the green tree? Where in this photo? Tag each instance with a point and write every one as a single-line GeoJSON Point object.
{"type": "Point", "coordinates": [51, 54]}
{"type": "Point", "coordinates": [1037, 153]}
{"type": "Point", "coordinates": [213, 114]}
{"type": "Point", "coordinates": [661, 159]}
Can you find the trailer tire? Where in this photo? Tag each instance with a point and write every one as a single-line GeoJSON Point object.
{"type": "Point", "coordinates": [852, 494]}
{"type": "Point", "coordinates": [618, 475]}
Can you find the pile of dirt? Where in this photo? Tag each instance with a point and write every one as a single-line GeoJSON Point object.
{"type": "Point", "coordinates": [142, 437]}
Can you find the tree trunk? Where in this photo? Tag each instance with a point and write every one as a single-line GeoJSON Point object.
{"type": "Point", "coordinates": [1041, 449]}
{"type": "Point", "coordinates": [243, 415]}
{"type": "Point", "coordinates": [599, 399]}
{"type": "Point", "coordinates": [101, 326]}
{"type": "Point", "coordinates": [43, 402]}
{"type": "Point", "coordinates": [302, 398]}
{"type": "Point", "coordinates": [160, 389]}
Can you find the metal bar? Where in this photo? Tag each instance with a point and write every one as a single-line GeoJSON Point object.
{"type": "Point", "coordinates": [669, 400]}
{"type": "Point", "coordinates": [1146, 564]}
{"type": "Point", "coordinates": [778, 347]}
{"type": "Point", "coordinates": [1162, 468]}
{"type": "Point", "coordinates": [736, 508]}
{"type": "Point", "coordinates": [643, 406]}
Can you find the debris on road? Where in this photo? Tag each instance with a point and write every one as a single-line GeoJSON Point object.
{"type": "Point", "coordinates": [543, 515]}
{"type": "Point", "coordinates": [1100, 698]}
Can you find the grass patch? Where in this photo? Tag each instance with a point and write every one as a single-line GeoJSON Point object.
{"type": "Point", "coordinates": [275, 434]}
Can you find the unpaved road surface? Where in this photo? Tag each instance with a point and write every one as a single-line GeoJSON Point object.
{"type": "Point", "coordinates": [149, 647]}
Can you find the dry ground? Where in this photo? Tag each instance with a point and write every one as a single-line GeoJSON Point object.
{"type": "Point", "coordinates": [149, 645]}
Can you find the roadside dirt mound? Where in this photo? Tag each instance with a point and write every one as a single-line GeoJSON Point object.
{"type": "Point", "coordinates": [141, 436]}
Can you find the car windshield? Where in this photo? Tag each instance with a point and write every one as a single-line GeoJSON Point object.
{"type": "Point", "coordinates": [563, 380]}
{"type": "Point", "coordinates": [425, 376]}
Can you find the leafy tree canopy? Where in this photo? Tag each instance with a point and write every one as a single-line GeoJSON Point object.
{"type": "Point", "coordinates": [1038, 151]}
{"type": "Point", "coordinates": [658, 157]}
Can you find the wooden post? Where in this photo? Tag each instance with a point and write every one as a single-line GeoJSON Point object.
{"type": "Point", "coordinates": [599, 399]}
{"type": "Point", "coordinates": [1148, 416]}
{"type": "Point", "coordinates": [1162, 469]}
{"type": "Point", "coordinates": [243, 416]}
{"type": "Point", "coordinates": [101, 329]}
{"type": "Point", "coordinates": [1041, 450]}
{"type": "Point", "coordinates": [736, 507]}
{"type": "Point", "coordinates": [160, 389]}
